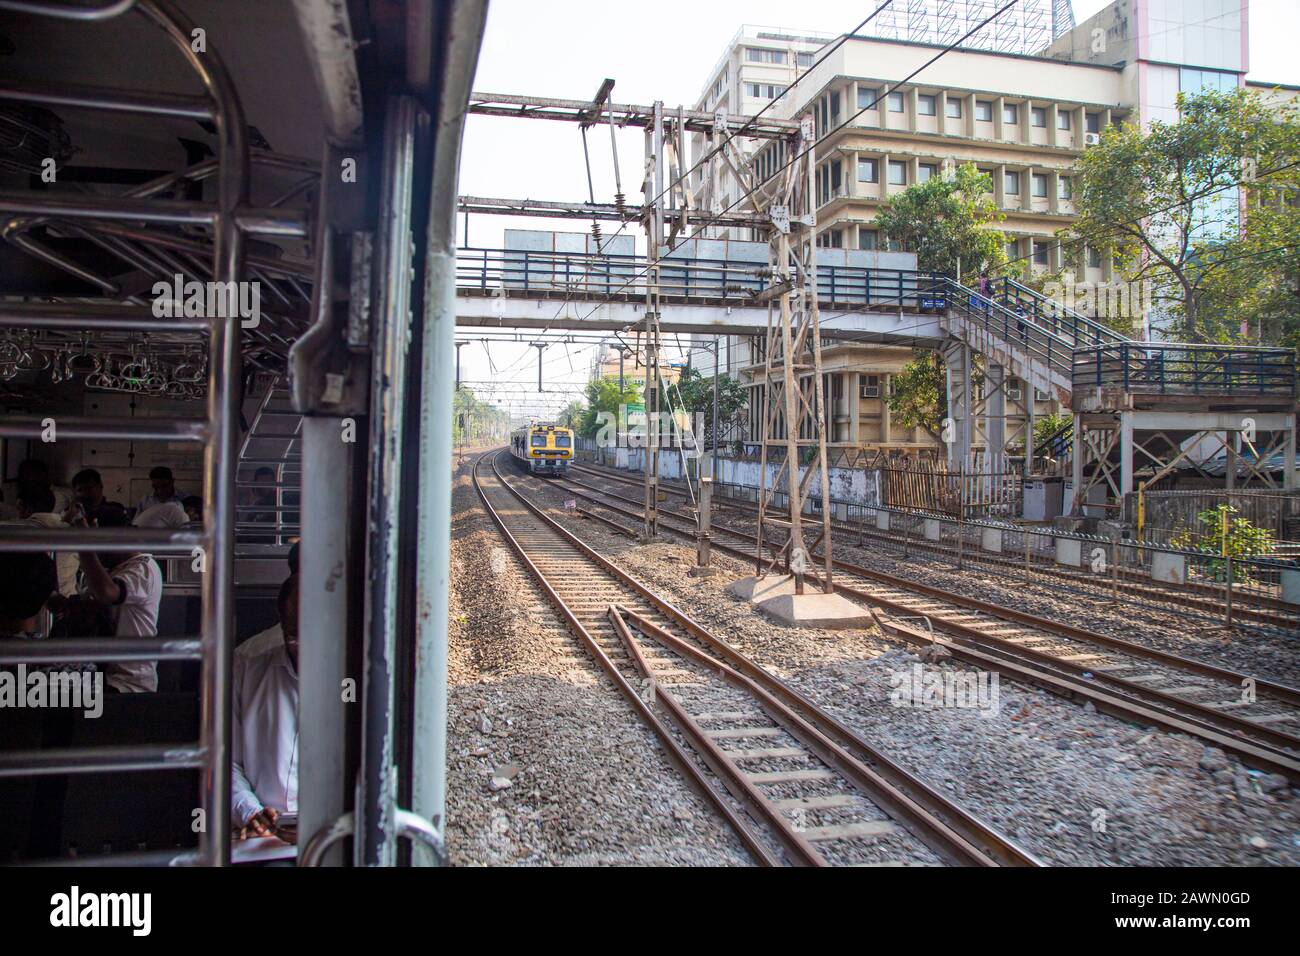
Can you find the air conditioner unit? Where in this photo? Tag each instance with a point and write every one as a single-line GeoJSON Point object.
{"type": "Point", "coordinates": [870, 391]}
{"type": "Point", "coordinates": [1040, 395]}
{"type": "Point", "coordinates": [1013, 394]}
{"type": "Point", "coordinates": [1091, 139]}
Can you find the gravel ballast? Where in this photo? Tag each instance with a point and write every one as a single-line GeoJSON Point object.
{"type": "Point", "coordinates": [547, 763]}
{"type": "Point", "coordinates": [1071, 785]}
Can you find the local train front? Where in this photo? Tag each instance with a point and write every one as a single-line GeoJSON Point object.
{"type": "Point", "coordinates": [549, 450]}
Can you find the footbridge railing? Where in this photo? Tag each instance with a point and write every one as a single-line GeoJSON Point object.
{"type": "Point", "coordinates": [545, 274]}
{"type": "Point", "coordinates": [1079, 330]}
{"type": "Point", "coordinates": [1171, 368]}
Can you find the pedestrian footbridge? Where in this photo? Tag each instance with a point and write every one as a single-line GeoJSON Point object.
{"type": "Point", "coordinates": [1135, 395]}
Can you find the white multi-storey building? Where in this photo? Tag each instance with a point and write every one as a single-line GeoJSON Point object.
{"type": "Point", "coordinates": [1025, 118]}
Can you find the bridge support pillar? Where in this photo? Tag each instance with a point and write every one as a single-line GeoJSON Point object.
{"type": "Point", "coordinates": [1289, 482]}
{"type": "Point", "coordinates": [995, 417]}
{"type": "Point", "coordinates": [958, 429]}
{"type": "Point", "coordinates": [854, 397]}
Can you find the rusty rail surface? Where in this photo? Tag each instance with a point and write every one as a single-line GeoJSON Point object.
{"type": "Point", "coordinates": [1254, 742]}
{"type": "Point", "coordinates": [949, 831]}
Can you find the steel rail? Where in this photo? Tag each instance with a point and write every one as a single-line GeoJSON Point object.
{"type": "Point", "coordinates": [1286, 693]}
{"type": "Point", "coordinates": [929, 803]}
{"type": "Point", "coordinates": [797, 848]}
{"type": "Point", "coordinates": [1287, 615]}
{"type": "Point", "coordinates": [880, 791]}
{"type": "Point", "coordinates": [1166, 710]}
{"type": "Point", "coordinates": [676, 754]}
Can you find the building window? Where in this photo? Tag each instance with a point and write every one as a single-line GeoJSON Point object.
{"type": "Point", "coordinates": [868, 239]}
{"type": "Point", "coordinates": [984, 111]}
{"type": "Point", "coordinates": [925, 171]}
{"type": "Point", "coordinates": [1063, 120]}
{"type": "Point", "coordinates": [1038, 116]}
{"type": "Point", "coordinates": [1195, 81]}
{"type": "Point", "coordinates": [831, 239]}
{"type": "Point", "coordinates": [870, 387]}
{"type": "Point", "coordinates": [925, 105]}
{"type": "Point", "coordinates": [765, 56]}
{"type": "Point", "coordinates": [867, 97]}
{"type": "Point", "coordinates": [761, 91]}
{"type": "Point", "coordinates": [835, 107]}
{"type": "Point", "coordinates": [1040, 253]}
{"type": "Point", "coordinates": [1013, 250]}
{"type": "Point", "coordinates": [897, 172]}
{"type": "Point", "coordinates": [1011, 114]}
{"type": "Point", "coordinates": [804, 60]}
{"type": "Point", "coordinates": [952, 107]}
{"type": "Point", "coordinates": [1011, 183]}
{"type": "Point", "coordinates": [895, 102]}
{"type": "Point", "coordinates": [1092, 122]}
{"type": "Point", "coordinates": [868, 170]}
{"type": "Point", "coordinates": [1039, 185]}
{"type": "Point", "coordinates": [1064, 187]}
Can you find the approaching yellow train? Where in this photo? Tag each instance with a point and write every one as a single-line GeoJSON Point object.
{"type": "Point", "coordinates": [544, 449]}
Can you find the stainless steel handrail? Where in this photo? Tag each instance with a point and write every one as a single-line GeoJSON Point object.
{"type": "Point", "coordinates": [44, 763]}
{"type": "Point", "coordinates": [63, 11]}
{"type": "Point", "coordinates": [229, 216]}
{"type": "Point", "coordinates": [74, 649]}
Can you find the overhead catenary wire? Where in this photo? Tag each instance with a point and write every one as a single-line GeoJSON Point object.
{"type": "Point", "coordinates": [684, 177]}
{"type": "Point", "coordinates": [799, 155]}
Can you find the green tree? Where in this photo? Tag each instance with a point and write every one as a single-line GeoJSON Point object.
{"type": "Point", "coordinates": [572, 414]}
{"type": "Point", "coordinates": [1165, 201]}
{"type": "Point", "coordinates": [474, 420]}
{"type": "Point", "coordinates": [945, 221]}
{"type": "Point", "coordinates": [697, 395]}
{"type": "Point", "coordinates": [1220, 532]}
{"type": "Point", "coordinates": [919, 395]}
{"type": "Point", "coordinates": [1045, 426]}
{"type": "Point", "coordinates": [604, 396]}
{"type": "Point", "coordinates": [948, 219]}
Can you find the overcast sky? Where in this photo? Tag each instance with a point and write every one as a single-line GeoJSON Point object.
{"type": "Point", "coordinates": [666, 51]}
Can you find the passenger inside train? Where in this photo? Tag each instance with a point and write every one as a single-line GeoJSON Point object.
{"type": "Point", "coordinates": [116, 592]}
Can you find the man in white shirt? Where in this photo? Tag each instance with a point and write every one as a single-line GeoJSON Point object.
{"type": "Point", "coordinates": [164, 490]}
{"type": "Point", "coordinates": [130, 587]}
{"type": "Point", "coordinates": [264, 727]}
{"type": "Point", "coordinates": [169, 514]}
{"type": "Point", "coordinates": [36, 507]}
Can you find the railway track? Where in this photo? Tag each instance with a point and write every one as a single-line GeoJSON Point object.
{"type": "Point", "coordinates": [798, 786]}
{"type": "Point", "coordinates": [1208, 600]}
{"type": "Point", "coordinates": [1250, 717]}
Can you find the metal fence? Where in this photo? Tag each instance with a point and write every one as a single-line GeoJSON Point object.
{"type": "Point", "coordinates": [1113, 569]}
{"type": "Point", "coordinates": [1117, 569]}
{"type": "Point", "coordinates": [933, 487]}
{"type": "Point", "coordinates": [1192, 517]}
